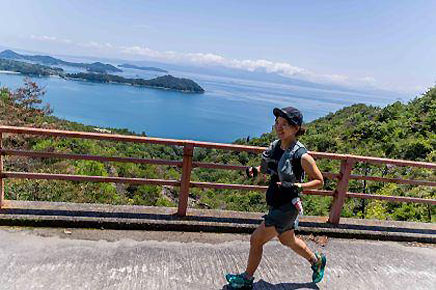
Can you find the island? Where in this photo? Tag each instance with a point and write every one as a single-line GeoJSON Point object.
{"type": "Point", "coordinates": [96, 72]}
{"type": "Point", "coordinates": [163, 82]}
{"type": "Point", "coordinates": [49, 60]}
{"type": "Point", "coordinates": [149, 68]}
{"type": "Point", "coordinates": [29, 68]}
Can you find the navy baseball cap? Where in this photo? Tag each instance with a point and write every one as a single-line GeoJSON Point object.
{"type": "Point", "coordinates": [292, 115]}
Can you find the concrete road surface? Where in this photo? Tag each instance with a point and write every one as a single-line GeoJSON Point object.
{"type": "Point", "coordinates": [103, 259]}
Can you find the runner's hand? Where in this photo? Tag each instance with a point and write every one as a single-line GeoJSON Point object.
{"type": "Point", "coordinates": [295, 186]}
{"type": "Point", "coordinates": [251, 172]}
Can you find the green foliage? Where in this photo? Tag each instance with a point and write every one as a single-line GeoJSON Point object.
{"type": "Point", "coordinates": [89, 167]}
{"type": "Point", "coordinates": [161, 201]}
{"type": "Point", "coordinates": [22, 106]}
{"type": "Point", "coordinates": [377, 210]}
{"type": "Point", "coordinates": [398, 131]}
{"type": "Point", "coordinates": [416, 149]}
{"type": "Point", "coordinates": [246, 201]}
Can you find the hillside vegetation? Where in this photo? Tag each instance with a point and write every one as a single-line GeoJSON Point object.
{"type": "Point", "coordinates": [400, 131]}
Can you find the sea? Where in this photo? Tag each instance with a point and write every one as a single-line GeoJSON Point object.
{"type": "Point", "coordinates": [230, 108]}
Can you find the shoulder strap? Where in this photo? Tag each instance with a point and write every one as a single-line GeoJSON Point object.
{"type": "Point", "coordinates": [274, 145]}
{"type": "Point", "coordinates": [294, 149]}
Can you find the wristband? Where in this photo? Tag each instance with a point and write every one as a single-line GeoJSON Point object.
{"type": "Point", "coordinates": [298, 188]}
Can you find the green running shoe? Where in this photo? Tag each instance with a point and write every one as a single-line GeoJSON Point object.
{"type": "Point", "coordinates": [318, 268]}
{"type": "Point", "coordinates": [239, 281]}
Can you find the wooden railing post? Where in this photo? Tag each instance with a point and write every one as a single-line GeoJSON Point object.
{"type": "Point", "coordinates": [2, 183]}
{"type": "Point", "coordinates": [185, 180]}
{"type": "Point", "coordinates": [341, 190]}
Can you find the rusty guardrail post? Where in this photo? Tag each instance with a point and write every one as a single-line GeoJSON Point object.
{"type": "Point", "coordinates": [2, 183]}
{"type": "Point", "coordinates": [185, 180]}
{"type": "Point", "coordinates": [341, 190]}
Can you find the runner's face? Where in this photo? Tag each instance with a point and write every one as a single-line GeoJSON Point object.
{"type": "Point", "coordinates": [284, 129]}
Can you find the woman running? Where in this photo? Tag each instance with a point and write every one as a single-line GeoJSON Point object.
{"type": "Point", "coordinates": [286, 160]}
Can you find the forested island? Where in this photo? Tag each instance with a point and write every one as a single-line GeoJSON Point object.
{"type": "Point", "coordinates": [397, 131]}
{"type": "Point", "coordinates": [96, 73]}
{"type": "Point", "coordinates": [29, 68]}
{"type": "Point", "coordinates": [149, 68]}
{"type": "Point", "coordinates": [163, 82]}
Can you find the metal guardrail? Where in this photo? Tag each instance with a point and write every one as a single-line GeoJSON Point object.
{"type": "Point", "coordinates": [187, 164]}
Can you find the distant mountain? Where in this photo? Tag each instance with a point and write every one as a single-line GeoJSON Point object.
{"type": "Point", "coordinates": [222, 71]}
{"type": "Point", "coordinates": [9, 54]}
{"type": "Point", "coordinates": [126, 65]}
{"type": "Point", "coordinates": [48, 60]}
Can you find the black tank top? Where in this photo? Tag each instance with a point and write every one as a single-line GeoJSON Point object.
{"type": "Point", "coordinates": [276, 195]}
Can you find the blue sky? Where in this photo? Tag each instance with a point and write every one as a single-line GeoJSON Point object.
{"type": "Point", "coordinates": [388, 44]}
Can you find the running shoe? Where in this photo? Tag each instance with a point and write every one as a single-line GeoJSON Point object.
{"type": "Point", "coordinates": [318, 268]}
{"type": "Point", "coordinates": [239, 281]}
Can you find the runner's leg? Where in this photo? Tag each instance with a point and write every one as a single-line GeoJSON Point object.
{"type": "Point", "coordinates": [259, 237]}
{"type": "Point", "coordinates": [289, 239]}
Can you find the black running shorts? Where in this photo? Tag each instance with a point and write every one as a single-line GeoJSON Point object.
{"type": "Point", "coordinates": [282, 218]}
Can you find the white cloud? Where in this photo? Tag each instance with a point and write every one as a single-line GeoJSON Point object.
{"type": "Point", "coordinates": [206, 58]}
{"type": "Point", "coordinates": [50, 39]}
{"type": "Point", "coordinates": [43, 38]}
{"type": "Point", "coordinates": [142, 51]}
{"type": "Point", "coordinates": [368, 79]}
{"type": "Point", "coordinates": [268, 66]}
{"type": "Point", "coordinates": [60, 40]}
{"type": "Point", "coordinates": [281, 68]}
{"type": "Point", "coordinates": [95, 44]}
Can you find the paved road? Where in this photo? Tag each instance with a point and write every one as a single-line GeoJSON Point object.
{"type": "Point", "coordinates": [102, 259]}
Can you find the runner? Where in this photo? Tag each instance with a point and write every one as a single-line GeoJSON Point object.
{"type": "Point", "coordinates": [286, 160]}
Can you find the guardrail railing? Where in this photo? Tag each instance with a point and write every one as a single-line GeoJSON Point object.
{"type": "Point", "coordinates": [187, 164]}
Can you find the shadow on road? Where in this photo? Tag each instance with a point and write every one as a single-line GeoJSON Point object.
{"type": "Point", "coordinates": [125, 215]}
{"type": "Point", "coordinates": [261, 284]}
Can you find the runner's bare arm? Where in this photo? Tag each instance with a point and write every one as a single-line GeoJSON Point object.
{"type": "Point", "coordinates": [315, 176]}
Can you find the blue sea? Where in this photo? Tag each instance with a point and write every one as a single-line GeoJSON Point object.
{"type": "Point", "coordinates": [230, 108]}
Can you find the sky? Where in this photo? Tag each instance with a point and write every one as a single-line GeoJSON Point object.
{"type": "Point", "coordinates": [388, 44]}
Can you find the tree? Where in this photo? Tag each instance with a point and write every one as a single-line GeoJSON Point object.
{"type": "Point", "coordinates": [26, 102]}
